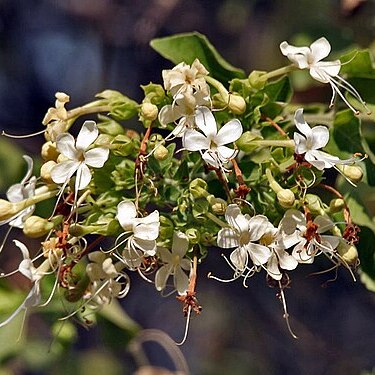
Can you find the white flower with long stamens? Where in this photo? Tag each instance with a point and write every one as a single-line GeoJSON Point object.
{"type": "Point", "coordinates": [105, 279]}
{"type": "Point", "coordinates": [78, 156]}
{"type": "Point", "coordinates": [27, 268]}
{"type": "Point", "coordinates": [311, 141]}
{"type": "Point", "coordinates": [308, 238]}
{"type": "Point", "coordinates": [186, 79]}
{"type": "Point", "coordinates": [322, 71]}
{"type": "Point", "coordinates": [243, 233]}
{"type": "Point", "coordinates": [280, 258]}
{"type": "Point", "coordinates": [18, 192]}
{"type": "Point", "coordinates": [174, 265]}
{"type": "Point", "coordinates": [143, 233]}
{"type": "Point", "coordinates": [211, 144]}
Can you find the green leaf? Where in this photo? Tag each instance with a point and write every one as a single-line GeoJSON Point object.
{"type": "Point", "coordinates": [358, 64]}
{"type": "Point", "coordinates": [366, 251]}
{"type": "Point", "coordinates": [189, 46]}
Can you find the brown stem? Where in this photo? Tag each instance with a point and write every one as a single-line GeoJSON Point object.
{"type": "Point", "coordinates": [242, 189]}
{"type": "Point", "coordinates": [276, 126]}
{"type": "Point", "coordinates": [224, 182]}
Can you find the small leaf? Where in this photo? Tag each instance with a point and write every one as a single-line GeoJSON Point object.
{"type": "Point", "coordinates": [358, 64]}
{"type": "Point", "coordinates": [190, 46]}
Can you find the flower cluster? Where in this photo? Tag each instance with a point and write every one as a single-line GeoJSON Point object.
{"type": "Point", "coordinates": [226, 164]}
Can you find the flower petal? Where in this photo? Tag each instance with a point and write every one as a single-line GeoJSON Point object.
{"type": "Point", "coordinates": [161, 277]}
{"type": "Point", "coordinates": [126, 213]}
{"type": "Point", "coordinates": [180, 280]}
{"type": "Point", "coordinates": [65, 143]}
{"type": "Point", "coordinates": [286, 261]}
{"type": "Point", "coordinates": [258, 226]}
{"type": "Point", "coordinates": [226, 153]}
{"type": "Point", "coordinates": [273, 267]}
{"type": "Point", "coordinates": [83, 177]}
{"type": "Point", "coordinates": [62, 172]}
{"type": "Point", "coordinates": [227, 238]}
{"type": "Point", "coordinates": [297, 55]}
{"type": "Point", "coordinates": [29, 171]}
{"type": "Point", "coordinates": [301, 124]}
{"type": "Point", "coordinates": [259, 254]}
{"type": "Point", "coordinates": [87, 135]}
{"type": "Point", "coordinates": [229, 133]}
{"type": "Point", "coordinates": [320, 49]}
{"type": "Point", "coordinates": [96, 157]}
{"type": "Point", "coordinates": [180, 244]}
{"type": "Point", "coordinates": [147, 246]}
{"type": "Point", "coordinates": [320, 137]}
{"type": "Point", "coordinates": [238, 258]}
{"type": "Point", "coordinates": [211, 158]}
{"type": "Point", "coordinates": [206, 122]}
{"type": "Point", "coordinates": [235, 218]}
{"type": "Point", "coordinates": [195, 141]}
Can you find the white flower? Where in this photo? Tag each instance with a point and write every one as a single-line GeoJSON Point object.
{"type": "Point", "coordinates": [105, 279]}
{"type": "Point", "coordinates": [211, 143]}
{"type": "Point", "coordinates": [78, 156]}
{"type": "Point", "coordinates": [27, 268]}
{"type": "Point", "coordinates": [18, 192]}
{"type": "Point", "coordinates": [311, 141]}
{"type": "Point", "coordinates": [244, 231]}
{"type": "Point", "coordinates": [322, 71]}
{"type": "Point", "coordinates": [144, 232]}
{"type": "Point", "coordinates": [183, 110]}
{"type": "Point", "coordinates": [174, 264]}
{"type": "Point", "coordinates": [186, 79]}
{"type": "Point", "coordinates": [280, 259]}
{"type": "Point", "coordinates": [307, 237]}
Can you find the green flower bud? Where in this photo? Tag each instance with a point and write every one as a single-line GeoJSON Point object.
{"type": "Point", "coordinates": [193, 235]}
{"type": "Point", "coordinates": [257, 79]}
{"type": "Point", "coordinates": [286, 198]}
{"type": "Point", "coordinates": [353, 172]}
{"type": "Point", "coordinates": [348, 252]}
{"type": "Point", "coordinates": [35, 227]}
{"type": "Point", "coordinates": [45, 171]}
{"type": "Point", "coordinates": [207, 239]}
{"type": "Point", "coordinates": [49, 151]}
{"type": "Point", "coordinates": [149, 111]}
{"type": "Point", "coordinates": [336, 205]}
{"type": "Point", "coordinates": [246, 144]}
{"type": "Point", "coordinates": [198, 188]}
{"type": "Point", "coordinates": [161, 153]}
{"type": "Point", "coordinates": [218, 205]}
{"type": "Point", "coordinates": [315, 204]}
{"type": "Point", "coordinates": [154, 93]}
{"type": "Point", "coordinates": [236, 104]}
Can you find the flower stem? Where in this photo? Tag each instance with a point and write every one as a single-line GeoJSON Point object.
{"type": "Point", "coordinates": [279, 72]}
{"type": "Point", "coordinates": [216, 220]}
{"type": "Point", "coordinates": [219, 87]}
{"type": "Point", "coordinates": [274, 142]}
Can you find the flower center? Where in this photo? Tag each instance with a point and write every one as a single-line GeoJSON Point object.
{"type": "Point", "coordinates": [244, 238]}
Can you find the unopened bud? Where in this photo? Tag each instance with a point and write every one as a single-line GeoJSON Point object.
{"type": "Point", "coordinates": [45, 171]}
{"type": "Point", "coordinates": [353, 172]}
{"type": "Point", "coordinates": [36, 226]}
{"type": "Point", "coordinates": [218, 205]}
{"type": "Point", "coordinates": [7, 209]}
{"type": "Point", "coordinates": [49, 151]}
{"type": "Point", "coordinates": [348, 252]}
{"type": "Point", "coordinates": [286, 198]}
{"type": "Point", "coordinates": [193, 235]}
{"type": "Point", "coordinates": [336, 205]}
{"type": "Point", "coordinates": [149, 111]}
{"type": "Point", "coordinates": [207, 239]}
{"type": "Point", "coordinates": [246, 142]}
{"type": "Point", "coordinates": [236, 104]}
{"type": "Point", "coordinates": [161, 153]}
{"type": "Point", "coordinates": [315, 204]}
{"type": "Point", "coordinates": [198, 188]}
{"type": "Point", "coordinates": [257, 79]}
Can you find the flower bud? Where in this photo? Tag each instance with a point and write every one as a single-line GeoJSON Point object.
{"type": "Point", "coordinates": [336, 205]}
{"type": "Point", "coordinates": [8, 209]}
{"type": "Point", "coordinates": [198, 188]}
{"type": "Point", "coordinates": [218, 205]}
{"type": "Point", "coordinates": [161, 153]}
{"type": "Point", "coordinates": [315, 204]}
{"type": "Point", "coordinates": [353, 172]}
{"type": "Point", "coordinates": [236, 104]}
{"type": "Point", "coordinates": [348, 252]}
{"type": "Point", "coordinates": [245, 142]}
{"type": "Point", "coordinates": [49, 151]}
{"type": "Point", "coordinates": [149, 111]}
{"type": "Point", "coordinates": [257, 79]}
{"type": "Point", "coordinates": [286, 198]}
{"type": "Point", "coordinates": [36, 226]}
{"type": "Point", "coordinates": [45, 171]}
{"type": "Point", "coordinates": [193, 235]}
{"type": "Point", "coordinates": [207, 239]}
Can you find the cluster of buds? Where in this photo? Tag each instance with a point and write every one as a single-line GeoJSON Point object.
{"type": "Point", "coordinates": [213, 168]}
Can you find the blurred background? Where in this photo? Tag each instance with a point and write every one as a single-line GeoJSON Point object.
{"type": "Point", "coordinates": [84, 46]}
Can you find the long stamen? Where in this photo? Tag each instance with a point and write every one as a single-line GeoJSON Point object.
{"type": "Point", "coordinates": [186, 328]}
{"type": "Point", "coordinates": [286, 314]}
{"type": "Point", "coordinates": [22, 136]}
